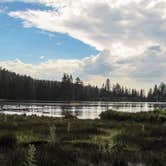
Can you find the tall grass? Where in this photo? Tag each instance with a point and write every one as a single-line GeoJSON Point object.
{"type": "Point", "coordinates": [117, 139]}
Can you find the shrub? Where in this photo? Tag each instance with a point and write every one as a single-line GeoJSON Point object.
{"type": "Point", "coordinates": [53, 134]}
{"type": "Point", "coordinates": [68, 115]}
{"type": "Point", "coordinates": [156, 116]}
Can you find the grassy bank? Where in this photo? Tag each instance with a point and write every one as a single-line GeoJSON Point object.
{"type": "Point", "coordinates": [156, 116]}
{"type": "Point", "coordinates": [118, 139]}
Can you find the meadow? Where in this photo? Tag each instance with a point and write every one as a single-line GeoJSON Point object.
{"type": "Point", "coordinates": [117, 139]}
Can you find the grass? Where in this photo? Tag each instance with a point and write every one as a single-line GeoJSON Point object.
{"type": "Point", "coordinates": [117, 139]}
{"type": "Point", "coordinates": [156, 116]}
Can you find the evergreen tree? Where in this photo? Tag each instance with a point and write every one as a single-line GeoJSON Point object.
{"type": "Point", "coordinates": [17, 87]}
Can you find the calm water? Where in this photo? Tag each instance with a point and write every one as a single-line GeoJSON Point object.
{"type": "Point", "coordinates": [83, 110]}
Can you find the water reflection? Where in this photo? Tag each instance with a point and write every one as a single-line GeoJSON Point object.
{"type": "Point", "coordinates": [83, 110]}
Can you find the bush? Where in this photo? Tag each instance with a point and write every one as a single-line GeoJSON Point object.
{"type": "Point", "coordinates": [68, 115]}
{"type": "Point", "coordinates": [53, 137]}
{"type": "Point", "coordinates": [30, 158]}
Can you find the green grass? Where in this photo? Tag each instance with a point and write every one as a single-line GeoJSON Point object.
{"type": "Point", "coordinates": [117, 139]}
{"type": "Point", "coordinates": [156, 116]}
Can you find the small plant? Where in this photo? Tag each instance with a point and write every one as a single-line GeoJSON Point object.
{"type": "Point", "coordinates": [68, 127]}
{"type": "Point", "coordinates": [30, 158]}
{"type": "Point", "coordinates": [5, 119]}
{"type": "Point", "coordinates": [68, 115]}
{"type": "Point", "coordinates": [52, 134]}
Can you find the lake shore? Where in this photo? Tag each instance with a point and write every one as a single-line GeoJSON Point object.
{"type": "Point", "coordinates": [119, 140]}
{"type": "Point", "coordinates": [82, 109]}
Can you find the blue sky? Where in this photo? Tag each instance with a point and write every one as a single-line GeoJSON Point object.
{"type": "Point", "coordinates": [32, 45]}
{"type": "Point", "coordinates": [124, 40]}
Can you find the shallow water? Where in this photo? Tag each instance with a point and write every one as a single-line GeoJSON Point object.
{"type": "Point", "coordinates": [83, 110]}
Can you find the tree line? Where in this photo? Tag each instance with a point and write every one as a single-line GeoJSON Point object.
{"type": "Point", "coordinates": [21, 87]}
{"type": "Point", "coordinates": [158, 93]}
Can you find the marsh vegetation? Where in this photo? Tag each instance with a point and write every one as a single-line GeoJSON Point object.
{"type": "Point", "coordinates": [117, 139]}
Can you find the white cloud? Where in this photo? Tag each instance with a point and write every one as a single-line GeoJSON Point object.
{"type": "Point", "coordinates": [45, 70]}
{"type": "Point", "coordinates": [131, 34]}
{"type": "Point", "coordinates": [42, 57]}
{"type": "Point", "coordinates": [103, 24]}
{"type": "Point", "coordinates": [50, 35]}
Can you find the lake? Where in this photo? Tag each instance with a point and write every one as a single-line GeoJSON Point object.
{"type": "Point", "coordinates": [83, 110]}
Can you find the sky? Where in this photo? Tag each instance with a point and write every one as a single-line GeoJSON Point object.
{"type": "Point", "coordinates": [124, 40]}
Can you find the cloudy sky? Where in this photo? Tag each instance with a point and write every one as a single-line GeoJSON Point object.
{"type": "Point", "coordinates": [124, 40]}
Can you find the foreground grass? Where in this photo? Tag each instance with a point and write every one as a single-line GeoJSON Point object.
{"type": "Point", "coordinates": [118, 139]}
